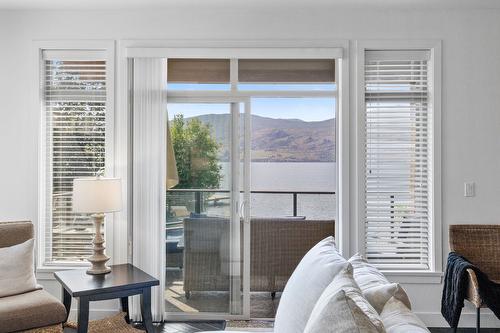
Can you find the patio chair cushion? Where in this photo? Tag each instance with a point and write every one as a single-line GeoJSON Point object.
{"type": "Point", "coordinates": [16, 269]}
{"type": "Point", "coordinates": [313, 274]}
{"type": "Point", "coordinates": [374, 285]}
{"type": "Point", "coordinates": [29, 310]}
{"type": "Point", "coordinates": [398, 318]}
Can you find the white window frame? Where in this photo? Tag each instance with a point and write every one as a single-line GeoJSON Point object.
{"type": "Point", "coordinates": [44, 270]}
{"type": "Point", "coordinates": [434, 273]}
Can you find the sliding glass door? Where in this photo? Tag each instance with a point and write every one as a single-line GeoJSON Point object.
{"type": "Point", "coordinates": [207, 227]}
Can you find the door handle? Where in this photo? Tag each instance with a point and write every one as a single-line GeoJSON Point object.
{"type": "Point", "coordinates": [243, 205]}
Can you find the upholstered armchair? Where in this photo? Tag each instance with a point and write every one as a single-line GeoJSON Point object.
{"type": "Point", "coordinates": [479, 244]}
{"type": "Point", "coordinates": [31, 310]}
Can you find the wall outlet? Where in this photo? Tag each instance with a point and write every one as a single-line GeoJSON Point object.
{"type": "Point", "coordinates": [469, 189]}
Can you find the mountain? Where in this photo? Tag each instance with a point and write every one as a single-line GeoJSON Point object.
{"type": "Point", "coordinates": [280, 140]}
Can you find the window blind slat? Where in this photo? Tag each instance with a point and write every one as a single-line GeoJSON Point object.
{"type": "Point", "coordinates": [74, 96]}
{"type": "Point", "coordinates": [396, 159]}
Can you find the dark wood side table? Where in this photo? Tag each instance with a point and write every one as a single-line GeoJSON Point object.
{"type": "Point", "coordinates": [123, 281]}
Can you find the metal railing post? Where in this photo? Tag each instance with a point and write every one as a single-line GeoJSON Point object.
{"type": "Point", "coordinates": [294, 203]}
{"type": "Point", "coordinates": [197, 202]}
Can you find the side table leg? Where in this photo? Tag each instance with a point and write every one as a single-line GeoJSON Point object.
{"type": "Point", "coordinates": [83, 315]}
{"type": "Point", "coordinates": [124, 302]}
{"type": "Point", "coordinates": [67, 302]}
{"type": "Point", "coordinates": [146, 310]}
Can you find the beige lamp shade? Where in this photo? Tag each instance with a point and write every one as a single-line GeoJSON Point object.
{"type": "Point", "coordinates": [97, 195]}
{"type": "Point", "coordinates": [172, 175]}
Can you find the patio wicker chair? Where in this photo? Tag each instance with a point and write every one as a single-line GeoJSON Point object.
{"type": "Point", "coordinates": [479, 244]}
{"type": "Point", "coordinates": [276, 247]}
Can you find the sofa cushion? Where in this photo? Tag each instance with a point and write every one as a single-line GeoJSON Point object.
{"type": "Point", "coordinates": [365, 274]}
{"type": "Point", "coordinates": [379, 295]}
{"type": "Point", "coordinates": [397, 318]}
{"type": "Point", "coordinates": [312, 275]}
{"type": "Point", "coordinates": [344, 281]}
{"type": "Point", "coordinates": [17, 273]}
{"type": "Point", "coordinates": [29, 310]}
{"type": "Point", "coordinates": [339, 313]}
{"type": "Point", "coordinates": [374, 285]}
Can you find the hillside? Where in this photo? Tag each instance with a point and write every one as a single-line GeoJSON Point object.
{"type": "Point", "coordinates": [281, 140]}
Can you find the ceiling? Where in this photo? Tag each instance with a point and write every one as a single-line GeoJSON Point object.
{"type": "Point", "coordinates": [157, 4]}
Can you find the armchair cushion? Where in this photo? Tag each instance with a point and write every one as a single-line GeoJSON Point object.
{"type": "Point", "coordinates": [29, 310]}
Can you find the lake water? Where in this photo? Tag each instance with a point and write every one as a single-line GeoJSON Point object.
{"type": "Point", "coordinates": [289, 177]}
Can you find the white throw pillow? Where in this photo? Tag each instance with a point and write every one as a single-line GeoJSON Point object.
{"type": "Point", "coordinates": [17, 274]}
{"type": "Point", "coordinates": [314, 272]}
{"type": "Point", "coordinates": [339, 314]}
{"type": "Point", "coordinates": [374, 285]}
{"type": "Point", "coordinates": [397, 318]}
{"type": "Point", "coordinates": [344, 281]}
{"type": "Point", "coordinates": [379, 295]}
{"type": "Point", "coordinates": [365, 274]}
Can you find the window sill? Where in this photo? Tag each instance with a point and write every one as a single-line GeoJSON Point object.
{"type": "Point", "coordinates": [47, 272]}
{"type": "Point", "coordinates": [414, 277]}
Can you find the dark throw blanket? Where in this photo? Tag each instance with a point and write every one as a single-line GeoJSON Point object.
{"type": "Point", "coordinates": [455, 289]}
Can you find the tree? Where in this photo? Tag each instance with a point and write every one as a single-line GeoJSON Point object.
{"type": "Point", "coordinates": [196, 154]}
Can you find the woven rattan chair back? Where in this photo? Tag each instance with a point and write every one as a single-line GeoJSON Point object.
{"type": "Point", "coordinates": [480, 244]}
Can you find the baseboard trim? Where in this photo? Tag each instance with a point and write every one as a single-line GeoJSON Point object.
{"type": "Point", "coordinates": [467, 319]}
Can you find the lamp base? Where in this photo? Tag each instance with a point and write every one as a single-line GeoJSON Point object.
{"type": "Point", "coordinates": [98, 259]}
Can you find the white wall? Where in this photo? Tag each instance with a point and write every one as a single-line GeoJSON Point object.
{"type": "Point", "coordinates": [471, 86]}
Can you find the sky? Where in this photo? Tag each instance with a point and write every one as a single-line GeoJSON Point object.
{"type": "Point", "coordinates": [307, 109]}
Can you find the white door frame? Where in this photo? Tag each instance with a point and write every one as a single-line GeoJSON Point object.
{"type": "Point", "coordinates": [307, 49]}
{"type": "Point", "coordinates": [238, 210]}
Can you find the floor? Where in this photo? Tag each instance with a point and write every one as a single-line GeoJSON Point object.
{"type": "Point", "coordinates": [194, 327]}
{"type": "Point", "coordinates": [178, 327]}
{"type": "Point", "coordinates": [465, 330]}
{"type": "Point", "coordinates": [261, 304]}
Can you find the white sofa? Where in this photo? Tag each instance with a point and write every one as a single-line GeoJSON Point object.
{"type": "Point", "coordinates": [314, 296]}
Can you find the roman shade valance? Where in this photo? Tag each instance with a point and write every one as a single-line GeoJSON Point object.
{"type": "Point", "coordinates": [286, 70]}
{"type": "Point", "coordinates": [198, 71]}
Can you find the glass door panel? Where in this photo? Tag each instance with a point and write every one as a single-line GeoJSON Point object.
{"type": "Point", "coordinates": [204, 236]}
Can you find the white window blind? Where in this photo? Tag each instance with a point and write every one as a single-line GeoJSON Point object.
{"type": "Point", "coordinates": [74, 129]}
{"type": "Point", "coordinates": [397, 173]}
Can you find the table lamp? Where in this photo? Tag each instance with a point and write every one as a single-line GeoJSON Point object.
{"type": "Point", "coordinates": [97, 196]}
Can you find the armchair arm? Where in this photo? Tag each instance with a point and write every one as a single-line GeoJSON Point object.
{"type": "Point", "coordinates": [473, 290]}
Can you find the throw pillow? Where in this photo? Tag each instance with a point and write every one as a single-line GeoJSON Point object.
{"type": "Point", "coordinates": [398, 318]}
{"type": "Point", "coordinates": [379, 295]}
{"type": "Point", "coordinates": [374, 285]}
{"type": "Point", "coordinates": [344, 281]}
{"type": "Point", "coordinates": [314, 272]}
{"type": "Point", "coordinates": [339, 314]}
{"type": "Point", "coordinates": [17, 274]}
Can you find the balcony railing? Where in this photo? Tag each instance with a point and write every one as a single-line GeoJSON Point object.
{"type": "Point", "coordinates": [200, 197]}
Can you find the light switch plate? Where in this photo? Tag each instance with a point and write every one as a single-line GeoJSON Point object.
{"type": "Point", "coordinates": [469, 189]}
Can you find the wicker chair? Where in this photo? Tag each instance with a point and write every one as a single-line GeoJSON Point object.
{"type": "Point", "coordinates": [479, 244]}
{"type": "Point", "coordinates": [276, 247]}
